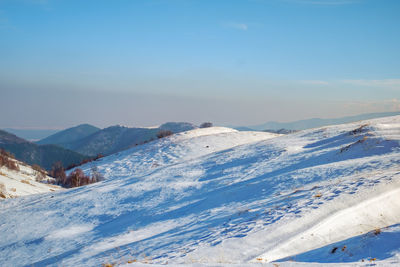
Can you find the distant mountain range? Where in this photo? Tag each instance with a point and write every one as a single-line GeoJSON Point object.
{"type": "Point", "coordinates": [31, 134]}
{"type": "Point", "coordinates": [313, 123]}
{"type": "Point", "coordinates": [43, 155]}
{"type": "Point", "coordinates": [73, 145]}
{"type": "Point", "coordinates": [89, 140]}
{"type": "Point", "coordinates": [70, 135]}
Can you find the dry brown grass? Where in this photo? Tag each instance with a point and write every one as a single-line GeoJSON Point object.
{"type": "Point", "coordinates": [343, 149]}
{"type": "Point", "coordinates": [358, 130]}
{"type": "Point", "coordinates": [3, 193]}
{"type": "Point", "coordinates": [26, 182]}
{"type": "Point", "coordinates": [377, 231]}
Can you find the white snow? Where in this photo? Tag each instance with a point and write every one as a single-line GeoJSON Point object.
{"type": "Point", "coordinates": [69, 232]}
{"type": "Point", "coordinates": [374, 213]}
{"type": "Point", "coordinates": [174, 149]}
{"type": "Point", "coordinates": [23, 182]}
{"type": "Point", "coordinates": [217, 197]}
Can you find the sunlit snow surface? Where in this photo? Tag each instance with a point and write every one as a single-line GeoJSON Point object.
{"type": "Point", "coordinates": [218, 196]}
{"type": "Point", "coordinates": [22, 182]}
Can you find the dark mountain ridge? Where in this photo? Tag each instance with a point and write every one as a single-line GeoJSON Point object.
{"type": "Point", "coordinates": [42, 155]}
{"type": "Point", "coordinates": [116, 138]}
{"type": "Point", "coordinates": [70, 135]}
{"type": "Point", "coordinates": [314, 122]}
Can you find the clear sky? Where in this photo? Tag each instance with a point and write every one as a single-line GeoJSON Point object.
{"type": "Point", "coordinates": [241, 62]}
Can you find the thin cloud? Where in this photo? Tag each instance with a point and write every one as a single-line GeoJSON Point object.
{"type": "Point", "coordinates": [392, 105]}
{"type": "Point", "coordinates": [382, 83]}
{"type": "Point", "coordinates": [386, 83]}
{"type": "Point", "coordinates": [314, 82]}
{"type": "Point", "coordinates": [236, 26]}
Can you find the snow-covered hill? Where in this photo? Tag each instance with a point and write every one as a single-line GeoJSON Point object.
{"type": "Point", "coordinates": [172, 150]}
{"type": "Point", "coordinates": [22, 182]}
{"type": "Point", "coordinates": [89, 140]}
{"type": "Point", "coordinates": [219, 196]}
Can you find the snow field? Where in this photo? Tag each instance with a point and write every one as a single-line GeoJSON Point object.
{"type": "Point", "coordinates": [23, 182]}
{"type": "Point", "coordinates": [218, 198]}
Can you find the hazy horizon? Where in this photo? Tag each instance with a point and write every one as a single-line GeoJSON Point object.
{"type": "Point", "coordinates": [143, 63]}
{"type": "Point", "coordinates": [35, 128]}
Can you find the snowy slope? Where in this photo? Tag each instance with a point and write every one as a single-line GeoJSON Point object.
{"type": "Point", "coordinates": [23, 182]}
{"type": "Point", "coordinates": [173, 149]}
{"type": "Point", "coordinates": [246, 198]}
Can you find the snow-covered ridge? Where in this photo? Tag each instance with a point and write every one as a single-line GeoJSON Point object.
{"type": "Point", "coordinates": [173, 149]}
{"type": "Point", "coordinates": [220, 198]}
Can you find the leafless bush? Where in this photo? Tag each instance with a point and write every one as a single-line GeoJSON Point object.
{"type": "Point", "coordinates": [58, 172]}
{"type": "Point", "coordinates": [40, 173]}
{"type": "Point", "coordinates": [96, 175]}
{"type": "Point", "coordinates": [7, 161]}
{"type": "Point", "coordinates": [6, 153]}
{"type": "Point", "coordinates": [206, 125]}
{"type": "Point", "coordinates": [78, 178]}
{"type": "Point", "coordinates": [359, 129]}
{"type": "Point", "coordinates": [3, 193]}
{"type": "Point", "coordinates": [164, 133]}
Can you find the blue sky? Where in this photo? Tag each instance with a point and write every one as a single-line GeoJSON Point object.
{"type": "Point", "coordinates": [230, 62]}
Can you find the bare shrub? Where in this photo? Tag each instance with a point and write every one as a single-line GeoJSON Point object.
{"type": "Point", "coordinates": [40, 173]}
{"type": "Point", "coordinates": [37, 168]}
{"type": "Point", "coordinates": [7, 160]}
{"type": "Point", "coordinates": [78, 178]}
{"type": "Point", "coordinates": [164, 133]}
{"type": "Point", "coordinates": [377, 231]}
{"type": "Point", "coordinates": [96, 175]}
{"type": "Point", "coordinates": [12, 165]}
{"type": "Point", "coordinates": [58, 172]}
{"type": "Point", "coordinates": [25, 182]}
{"type": "Point", "coordinates": [40, 177]}
{"type": "Point", "coordinates": [6, 153]}
{"type": "Point", "coordinates": [206, 125]}
{"type": "Point", "coordinates": [318, 195]}
{"type": "Point", "coordinates": [3, 192]}
{"type": "Point", "coordinates": [358, 130]}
